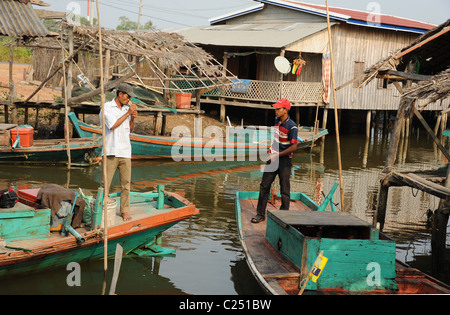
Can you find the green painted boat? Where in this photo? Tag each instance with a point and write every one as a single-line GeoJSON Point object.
{"type": "Point", "coordinates": [239, 143]}
{"type": "Point", "coordinates": [282, 251]}
{"type": "Point", "coordinates": [29, 246]}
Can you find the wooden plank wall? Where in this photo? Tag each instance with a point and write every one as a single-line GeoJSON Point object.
{"type": "Point", "coordinates": [354, 44]}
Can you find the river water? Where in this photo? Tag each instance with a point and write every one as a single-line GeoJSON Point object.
{"type": "Point", "coordinates": [209, 258]}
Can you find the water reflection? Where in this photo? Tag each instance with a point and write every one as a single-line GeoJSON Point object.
{"type": "Point", "coordinates": [208, 257]}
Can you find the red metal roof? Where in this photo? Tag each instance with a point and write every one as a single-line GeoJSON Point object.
{"type": "Point", "coordinates": [366, 16]}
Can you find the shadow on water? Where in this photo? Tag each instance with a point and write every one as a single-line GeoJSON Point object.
{"type": "Point", "coordinates": [209, 258]}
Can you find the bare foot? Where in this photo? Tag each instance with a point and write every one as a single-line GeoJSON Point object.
{"type": "Point", "coordinates": [125, 216]}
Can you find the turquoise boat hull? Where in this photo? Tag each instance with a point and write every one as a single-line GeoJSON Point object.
{"type": "Point", "coordinates": [152, 213]}
{"type": "Point", "coordinates": [282, 252]}
{"type": "Point", "coordinates": [82, 152]}
{"type": "Point", "coordinates": [241, 144]}
{"type": "Point", "coordinates": [83, 254]}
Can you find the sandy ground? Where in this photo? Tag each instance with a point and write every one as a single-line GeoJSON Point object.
{"type": "Point", "coordinates": [49, 118]}
{"type": "Point", "coordinates": [24, 89]}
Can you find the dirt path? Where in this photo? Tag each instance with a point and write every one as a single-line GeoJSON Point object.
{"type": "Point", "coordinates": [24, 89]}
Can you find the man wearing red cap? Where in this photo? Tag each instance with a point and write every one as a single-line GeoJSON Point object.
{"type": "Point", "coordinates": [279, 161]}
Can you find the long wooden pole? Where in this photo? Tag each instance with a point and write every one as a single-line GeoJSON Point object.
{"type": "Point", "coordinates": [105, 181]}
{"type": "Point", "coordinates": [341, 186]}
{"type": "Point", "coordinates": [66, 112]}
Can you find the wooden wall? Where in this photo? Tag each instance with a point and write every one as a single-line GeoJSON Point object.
{"type": "Point", "coordinates": [355, 48]}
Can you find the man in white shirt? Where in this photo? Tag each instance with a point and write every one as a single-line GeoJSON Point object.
{"type": "Point", "coordinates": [119, 122]}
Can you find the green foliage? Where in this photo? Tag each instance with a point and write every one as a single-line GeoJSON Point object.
{"type": "Point", "coordinates": [127, 25]}
{"type": "Point", "coordinates": [21, 54]}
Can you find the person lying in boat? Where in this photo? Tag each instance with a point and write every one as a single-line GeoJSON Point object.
{"type": "Point", "coordinates": [279, 161]}
{"type": "Point", "coordinates": [119, 122]}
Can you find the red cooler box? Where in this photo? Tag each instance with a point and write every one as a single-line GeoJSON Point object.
{"type": "Point", "coordinates": [25, 134]}
{"type": "Point", "coordinates": [29, 197]}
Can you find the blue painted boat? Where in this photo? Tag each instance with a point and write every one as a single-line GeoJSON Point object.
{"type": "Point", "coordinates": [282, 252]}
{"type": "Point", "coordinates": [31, 247]}
{"type": "Point", "coordinates": [238, 144]}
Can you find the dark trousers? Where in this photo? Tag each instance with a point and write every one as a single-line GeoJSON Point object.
{"type": "Point", "coordinates": [284, 172]}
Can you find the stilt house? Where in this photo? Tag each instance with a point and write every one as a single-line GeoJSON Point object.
{"type": "Point", "coordinates": [248, 41]}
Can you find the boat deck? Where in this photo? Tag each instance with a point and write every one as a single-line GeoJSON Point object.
{"type": "Point", "coordinates": [265, 259]}
{"type": "Point", "coordinates": [281, 277]}
{"type": "Point", "coordinates": [144, 215]}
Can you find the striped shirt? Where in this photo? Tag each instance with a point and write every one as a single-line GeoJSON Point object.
{"type": "Point", "coordinates": [286, 133]}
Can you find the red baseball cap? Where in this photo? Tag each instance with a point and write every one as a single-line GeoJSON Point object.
{"type": "Point", "coordinates": [282, 103]}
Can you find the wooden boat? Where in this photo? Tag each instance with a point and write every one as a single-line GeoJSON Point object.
{"type": "Point", "coordinates": [83, 151]}
{"type": "Point", "coordinates": [282, 250]}
{"type": "Point", "coordinates": [194, 149]}
{"type": "Point", "coordinates": [31, 247]}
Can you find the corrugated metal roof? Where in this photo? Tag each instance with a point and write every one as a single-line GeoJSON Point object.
{"type": "Point", "coordinates": [361, 17]}
{"type": "Point", "coordinates": [348, 15]}
{"type": "Point", "coordinates": [251, 35]}
{"type": "Point", "coordinates": [19, 19]}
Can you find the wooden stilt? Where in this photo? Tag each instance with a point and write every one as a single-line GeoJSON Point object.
{"type": "Point", "coordinates": [438, 122]}
{"type": "Point", "coordinates": [393, 147]}
{"type": "Point", "coordinates": [439, 229]}
{"type": "Point", "coordinates": [324, 118]}
{"type": "Point", "coordinates": [222, 111]}
{"type": "Point", "coordinates": [380, 212]}
{"type": "Point", "coordinates": [158, 123]}
{"type": "Point", "coordinates": [368, 119]}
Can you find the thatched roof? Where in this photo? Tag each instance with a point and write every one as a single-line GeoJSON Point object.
{"type": "Point", "coordinates": [169, 49]}
{"type": "Point", "coordinates": [438, 87]}
{"type": "Point", "coordinates": [165, 53]}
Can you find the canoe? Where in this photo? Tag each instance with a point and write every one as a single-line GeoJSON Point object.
{"type": "Point", "coordinates": [282, 251]}
{"type": "Point", "coordinates": [83, 152]}
{"type": "Point", "coordinates": [238, 144]}
{"type": "Point", "coordinates": [32, 247]}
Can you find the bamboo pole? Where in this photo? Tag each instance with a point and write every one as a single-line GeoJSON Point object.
{"type": "Point", "coordinates": [66, 111]}
{"type": "Point", "coordinates": [105, 181]}
{"type": "Point", "coordinates": [335, 111]}
{"type": "Point", "coordinates": [12, 89]}
{"type": "Point", "coordinates": [56, 70]}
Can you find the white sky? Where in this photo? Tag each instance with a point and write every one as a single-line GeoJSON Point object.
{"type": "Point", "coordinates": [184, 13]}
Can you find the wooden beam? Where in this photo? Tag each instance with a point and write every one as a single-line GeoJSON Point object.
{"type": "Point", "coordinates": [393, 74]}
{"type": "Point", "coordinates": [40, 3]}
{"type": "Point", "coordinates": [418, 182]}
{"type": "Point", "coordinates": [443, 31]}
{"type": "Point", "coordinates": [431, 132]}
{"type": "Point", "coordinates": [110, 85]}
{"type": "Point", "coordinates": [57, 69]}
{"type": "Point", "coordinates": [48, 14]}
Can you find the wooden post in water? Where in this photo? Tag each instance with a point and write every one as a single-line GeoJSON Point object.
{"type": "Point", "coordinates": [105, 179]}
{"type": "Point", "coordinates": [341, 186]}
{"type": "Point", "coordinates": [66, 120]}
{"type": "Point", "coordinates": [380, 212]}
{"type": "Point", "coordinates": [12, 89]}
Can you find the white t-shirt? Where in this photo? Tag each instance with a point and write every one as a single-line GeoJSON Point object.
{"type": "Point", "coordinates": [117, 141]}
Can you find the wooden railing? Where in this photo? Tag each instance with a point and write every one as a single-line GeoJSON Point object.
{"type": "Point", "coordinates": [253, 90]}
